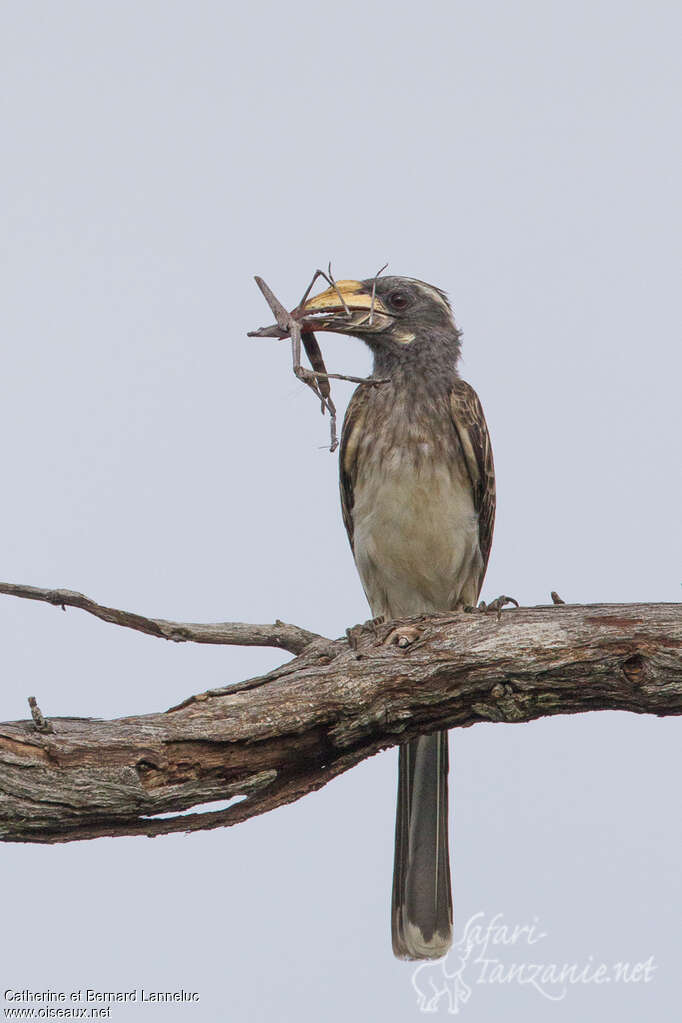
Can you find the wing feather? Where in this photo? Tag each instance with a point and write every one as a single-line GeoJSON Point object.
{"type": "Point", "coordinates": [353, 425]}
{"type": "Point", "coordinates": [472, 430]}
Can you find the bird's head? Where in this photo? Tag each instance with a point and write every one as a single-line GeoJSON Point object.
{"type": "Point", "coordinates": [397, 317]}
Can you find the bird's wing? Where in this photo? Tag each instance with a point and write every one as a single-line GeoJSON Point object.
{"type": "Point", "coordinates": [353, 425]}
{"type": "Point", "coordinates": [472, 430]}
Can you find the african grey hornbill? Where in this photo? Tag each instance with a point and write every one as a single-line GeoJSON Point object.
{"type": "Point", "coordinates": [418, 502]}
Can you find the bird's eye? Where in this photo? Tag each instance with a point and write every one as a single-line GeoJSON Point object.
{"type": "Point", "coordinates": [399, 300]}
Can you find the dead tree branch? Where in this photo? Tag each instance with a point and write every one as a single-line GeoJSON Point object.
{"type": "Point", "coordinates": [273, 739]}
{"type": "Point", "coordinates": [286, 637]}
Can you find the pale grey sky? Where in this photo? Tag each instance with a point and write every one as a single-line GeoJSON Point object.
{"type": "Point", "coordinates": [526, 158]}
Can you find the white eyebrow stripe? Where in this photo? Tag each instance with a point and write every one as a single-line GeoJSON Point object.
{"type": "Point", "coordinates": [433, 292]}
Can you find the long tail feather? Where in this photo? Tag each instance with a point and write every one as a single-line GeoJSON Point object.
{"type": "Point", "coordinates": [421, 917]}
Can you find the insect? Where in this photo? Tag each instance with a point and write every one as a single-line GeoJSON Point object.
{"type": "Point", "coordinates": [296, 326]}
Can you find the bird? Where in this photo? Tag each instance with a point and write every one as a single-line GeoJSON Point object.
{"type": "Point", "coordinates": [417, 485]}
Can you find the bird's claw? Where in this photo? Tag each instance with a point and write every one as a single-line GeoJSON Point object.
{"type": "Point", "coordinates": [495, 606]}
{"type": "Point", "coordinates": [354, 633]}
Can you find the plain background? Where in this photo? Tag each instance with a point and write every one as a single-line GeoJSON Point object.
{"type": "Point", "coordinates": [526, 158]}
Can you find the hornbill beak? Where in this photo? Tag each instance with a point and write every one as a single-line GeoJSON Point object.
{"type": "Point", "coordinates": [346, 308]}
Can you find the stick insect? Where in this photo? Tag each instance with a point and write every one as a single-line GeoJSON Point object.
{"type": "Point", "coordinates": [289, 325]}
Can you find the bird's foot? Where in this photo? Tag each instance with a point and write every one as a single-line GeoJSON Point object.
{"type": "Point", "coordinates": [355, 631]}
{"type": "Point", "coordinates": [494, 607]}
{"type": "Point", "coordinates": [353, 635]}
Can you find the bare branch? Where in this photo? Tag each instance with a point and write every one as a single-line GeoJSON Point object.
{"type": "Point", "coordinates": [273, 739]}
{"type": "Point", "coordinates": [285, 637]}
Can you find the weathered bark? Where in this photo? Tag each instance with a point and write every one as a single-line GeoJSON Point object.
{"type": "Point", "coordinates": [275, 738]}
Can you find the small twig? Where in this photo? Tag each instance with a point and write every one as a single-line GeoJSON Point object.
{"type": "Point", "coordinates": [329, 278]}
{"type": "Point", "coordinates": [280, 635]}
{"type": "Point", "coordinates": [310, 379]}
{"type": "Point", "coordinates": [41, 723]}
{"type": "Point", "coordinates": [296, 347]}
{"type": "Point", "coordinates": [336, 288]}
{"type": "Point", "coordinates": [312, 350]}
{"type": "Point", "coordinates": [316, 275]}
{"type": "Point", "coordinates": [374, 294]}
{"type": "Point", "coordinates": [372, 381]}
{"type": "Point", "coordinates": [281, 315]}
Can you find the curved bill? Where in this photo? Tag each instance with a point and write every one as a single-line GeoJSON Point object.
{"type": "Point", "coordinates": [346, 308]}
